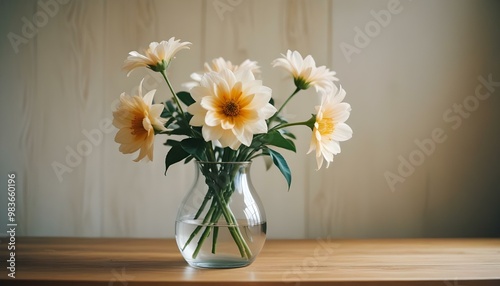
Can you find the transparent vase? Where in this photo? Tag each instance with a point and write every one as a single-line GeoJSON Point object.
{"type": "Point", "coordinates": [221, 222]}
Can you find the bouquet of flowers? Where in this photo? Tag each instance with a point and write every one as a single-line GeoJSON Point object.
{"type": "Point", "coordinates": [227, 115]}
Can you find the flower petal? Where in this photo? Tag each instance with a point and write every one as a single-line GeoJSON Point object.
{"type": "Point", "coordinates": [342, 132]}
{"type": "Point", "coordinates": [148, 98]}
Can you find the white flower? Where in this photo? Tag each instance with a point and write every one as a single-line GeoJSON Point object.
{"type": "Point", "coordinates": [137, 118]}
{"type": "Point", "coordinates": [304, 71]}
{"type": "Point", "coordinates": [157, 56]}
{"type": "Point", "coordinates": [330, 128]}
{"type": "Point", "coordinates": [219, 64]}
{"type": "Point", "coordinates": [231, 107]}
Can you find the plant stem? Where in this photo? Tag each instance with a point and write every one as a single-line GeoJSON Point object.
{"type": "Point", "coordinates": [198, 228]}
{"type": "Point", "coordinates": [221, 190]}
{"type": "Point", "coordinates": [214, 238]}
{"type": "Point", "coordinates": [203, 204]}
{"type": "Point", "coordinates": [285, 103]}
{"type": "Point", "coordinates": [204, 236]}
{"type": "Point", "coordinates": [233, 227]}
{"type": "Point", "coordinates": [309, 123]}
{"type": "Point", "coordinates": [173, 94]}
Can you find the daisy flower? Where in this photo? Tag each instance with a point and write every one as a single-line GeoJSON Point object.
{"type": "Point", "coordinates": [138, 119]}
{"type": "Point", "coordinates": [305, 73]}
{"type": "Point", "coordinates": [157, 57]}
{"type": "Point", "coordinates": [219, 64]}
{"type": "Point", "coordinates": [330, 127]}
{"type": "Point", "coordinates": [231, 107]}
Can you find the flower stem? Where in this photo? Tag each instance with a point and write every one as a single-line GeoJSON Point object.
{"type": "Point", "coordinates": [221, 191]}
{"type": "Point", "coordinates": [174, 94]}
{"type": "Point", "coordinates": [233, 227]}
{"type": "Point", "coordinates": [204, 236]}
{"type": "Point", "coordinates": [209, 152]}
{"type": "Point", "coordinates": [285, 103]}
{"type": "Point", "coordinates": [309, 123]}
{"type": "Point", "coordinates": [214, 238]}
{"type": "Point", "coordinates": [208, 216]}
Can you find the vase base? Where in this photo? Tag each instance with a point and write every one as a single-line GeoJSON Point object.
{"type": "Point", "coordinates": [220, 263]}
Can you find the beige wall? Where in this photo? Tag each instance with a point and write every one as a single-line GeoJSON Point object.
{"type": "Point", "coordinates": [405, 77]}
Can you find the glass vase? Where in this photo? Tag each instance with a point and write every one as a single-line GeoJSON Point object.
{"type": "Point", "coordinates": [221, 222]}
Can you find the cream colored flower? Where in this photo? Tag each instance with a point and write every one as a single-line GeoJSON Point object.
{"type": "Point", "coordinates": [157, 57]}
{"type": "Point", "coordinates": [304, 71]}
{"type": "Point", "coordinates": [219, 64]}
{"type": "Point", "coordinates": [231, 107]}
{"type": "Point", "coordinates": [137, 118]}
{"type": "Point", "coordinates": [330, 128]}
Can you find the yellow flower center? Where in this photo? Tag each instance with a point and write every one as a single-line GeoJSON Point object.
{"type": "Point", "coordinates": [326, 126]}
{"type": "Point", "coordinates": [231, 108]}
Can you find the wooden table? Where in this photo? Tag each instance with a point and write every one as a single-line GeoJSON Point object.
{"type": "Point", "coordinates": [396, 262]}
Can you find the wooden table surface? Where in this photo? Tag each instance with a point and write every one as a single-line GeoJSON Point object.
{"type": "Point", "coordinates": [394, 262]}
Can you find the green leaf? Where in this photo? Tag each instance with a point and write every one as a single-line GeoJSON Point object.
{"type": "Point", "coordinates": [280, 162]}
{"type": "Point", "coordinates": [176, 154]}
{"type": "Point", "coordinates": [276, 139]}
{"type": "Point", "coordinates": [165, 113]}
{"type": "Point", "coordinates": [195, 147]}
{"type": "Point", "coordinates": [188, 159]}
{"type": "Point", "coordinates": [171, 142]}
{"type": "Point", "coordinates": [170, 106]}
{"type": "Point", "coordinates": [185, 97]}
{"type": "Point", "coordinates": [287, 134]}
{"type": "Point", "coordinates": [169, 122]}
